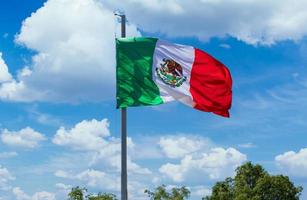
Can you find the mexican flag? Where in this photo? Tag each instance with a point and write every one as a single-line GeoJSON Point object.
{"type": "Point", "coordinates": [150, 71]}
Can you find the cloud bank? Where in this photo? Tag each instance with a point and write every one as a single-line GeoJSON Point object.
{"type": "Point", "coordinates": [252, 21]}
{"type": "Point", "coordinates": [26, 138]}
{"type": "Point", "coordinates": [218, 163]}
{"type": "Point", "coordinates": [293, 163]}
{"type": "Point", "coordinates": [75, 60]}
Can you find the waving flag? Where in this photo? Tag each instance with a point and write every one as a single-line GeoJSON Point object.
{"type": "Point", "coordinates": [151, 72]}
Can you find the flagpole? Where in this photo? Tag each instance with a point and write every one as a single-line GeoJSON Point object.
{"type": "Point", "coordinates": [124, 180]}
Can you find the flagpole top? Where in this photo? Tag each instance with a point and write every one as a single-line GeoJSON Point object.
{"type": "Point", "coordinates": [119, 13]}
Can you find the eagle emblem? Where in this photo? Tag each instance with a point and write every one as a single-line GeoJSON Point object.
{"type": "Point", "coordinates": [170, 72]}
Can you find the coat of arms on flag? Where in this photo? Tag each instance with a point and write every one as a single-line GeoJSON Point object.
{"type": "Point", "coordinates": [171, 73]}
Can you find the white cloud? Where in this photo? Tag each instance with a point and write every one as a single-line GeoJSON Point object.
{"type": "Point", "coordinates": [4, 73]}
{"type": "Point", "coordinates": [75, 41]}
{"type": "Point", "coordinates": [93, 178]}
{"type": "Point", "coordinates": [180, 146]}
{"type": "Point", "coordinates": [216, 164]}
{"type": "Point", "coordinates": [14, 90]}
{"type": "Point", "coordinates": [62, 174]}
{"type": "Point", "coordinates": [26, 137]}
{"type": "Point", "coordinates": [43, 118]}
{"type": "Point", "coordinates": [94, 136]}
{"type": "Point", "coordinates": [105, 181]}
{"type": "Point", "coordinates": [225, 46]}
{"type": "Point", "coordinates": [146, 147]}
{"type": "Point", "coordinates": [294, 163]}
{"type": "Point", "coordinates": [197, 192]}
{"type": "Point", "coordinates": [110, 156]}
{"type": "Point", "coordinates": [20, 194]}
{"type": "Point", "coordinates": [63, 186]}
{"type": "Point", "coordinates": [247, 145]}
{"type": "Point", "coordinates": [62, 190]}
{"type": "Point", "coordinates": [8, 154]}
{"type": "Point", "coordinates": [85, 135]}
{"type": "Point", "coordinates": [5, 177]}
{"type": "Point", "coordinates": [101, 169]}
{"type": "Point", "coordinates": [43, 195]}
{"type": "Point", "coordinates": [214, 18]}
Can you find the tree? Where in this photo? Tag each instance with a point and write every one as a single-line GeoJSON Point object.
{"type": "Point", "coordinates": [276, 187]}
{"type": "Point", "coordinates": [246, 179]}
{"type": "Point", "coordinates": [78, 193]}
{"type": "Point", "coordinates": [161, 193]}
{"type": "Point", "coordinates": [222, 190]}
{"type": "Point", "coordinates": [254, 183]}
{"type": "Point", "coordinates": [102, 196]}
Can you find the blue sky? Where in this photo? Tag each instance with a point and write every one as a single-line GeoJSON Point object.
{"type": "Point", "coordinates": [58, 123]}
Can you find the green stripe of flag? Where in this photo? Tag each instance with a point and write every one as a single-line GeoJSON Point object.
{"type": "Point", "coordinates": [135, 86]}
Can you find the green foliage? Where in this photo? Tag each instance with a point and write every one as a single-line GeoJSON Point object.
{"type": "Point", "coordinates": [222, 190]}
{"type": "Point", "coordinates": [78, 193]}
{"type": "Point", "coordinates": [252, 182]}
{"type": "Point", "coordinates": [161, 193]}
{"type": "Point", "coordinates": [102, 196]}
{"type": "Point", "coordinates": [246, 179]}
{"type": "Point", "coordinates": [276, 187]}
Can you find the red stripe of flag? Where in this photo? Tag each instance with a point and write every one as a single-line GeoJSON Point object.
{"type": "Point", "coordinates": [210, 84]}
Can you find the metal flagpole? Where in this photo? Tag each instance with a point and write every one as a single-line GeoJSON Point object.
{"type": "Point", "coordinates": [124, 185]}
